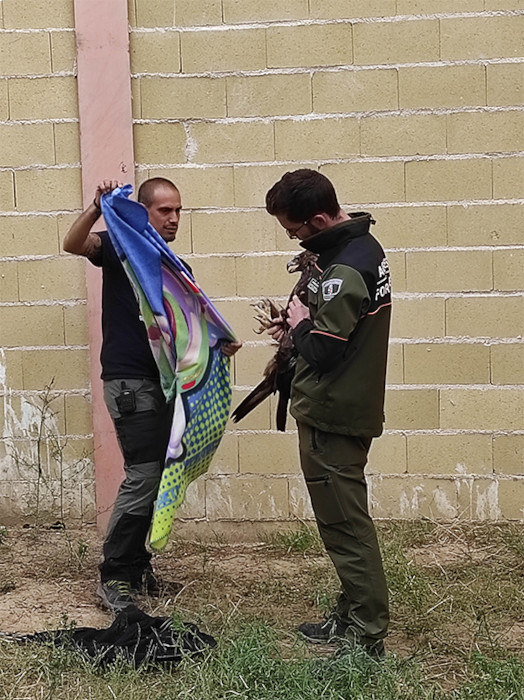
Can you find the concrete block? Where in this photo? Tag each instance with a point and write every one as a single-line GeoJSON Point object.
{"type": "Point", "coordinates": [508, 176]}
{"type": "Point", "coordinates": [418, 317]}
{"type": "Point", "coordinates": [268, 95]}
{"type": "Point", "coordinates": [78, 415]}
{"type": "Point", "coordinates": [201, 12]}
{"type": "Point", "coordinates": [510, 499]}
{"type": "Point", "coordinates": [237, 142]}
{"type": "Point", "coordinates": [268, 453]}
{"type": "Point", "coordinates": [31, 325]}
{"type": "Point", "coordinates": [237, 11]}
{"type": "Point", "coordinates": [317, 139]}
{"type": "Point", "coordinates": [262, 275]}
{"type": "Point", "coordinates": [225, 460]}
{"type": "Point", "coordinates": [233, 232]}
{"type": "Point", "coordinates": [481, 409]}
{"type": "Point", "coordinates": [438, 363]}
{"type": "Point", "coordinates": [258, 419]}
{"type": "Point", "coordinates": [76, 325]}
{"type": "Point", "coordinates": [507, 269]}
{"type": "Point", "coordinates": [505, 83]}
{"type": "Point", "coordinates": [410, 227]}
{"type": "Point", "coordinates": [395, 367]}
{"type": "Point", "coordinates": [26, 144]}
{"type": "Point", "coordinates": [160, 143]}
{"type": "Point", "coordinates": [182, 98]}
{"type": "Point", "coordinates": [412, 409]}
{"type": "Point", "coordinates": [507, 363]}
{"type": "Point", "coordinates": [462, 454]}
{"type": "Point", "coordinates": [9, 281]}
{"type": "Point", "coordinates": [7, 191]}
{"type": "Point", "coordinates": [247, 498]}
{"type": "Point", "coordinates": [419, 7]}
{"type": "Point", "coordinates": [396, 42]}
{"type": "Point", "coordinates": [309, 45]}
{"type": "Point", "coordinates": [68, 368]}
{"type": "Point", "coordinates": [4, 104]}
{"type": "Point", "coordinates": [412, 498]}
{"type": "Point", "coordinates": [508, 454]}
{"type": "Point", "coordinates": [501, 317]}
{"type": "Point", "coordinates": [441, 86]}
{"type": "Point", "coordinates": [414, 135]}
{"type": "Point", "coordinates": [48, 189]}
{"type": "Point", "coordinates": [212, 187]}
{"type": "Point", "coordinates": [37, 14]}
{"type": "Point", "coordinates": [67, 143]}
{"type": "Point", "coordinates": [478, 498]}
{"type": "Point", "coordinates": [55, 278]}
{"type": "Point", "coordinates": [250, 363]}
{"type": "Point", "coordinates": [25, 54]}
{"type": "Point", "coordinates": [63, 51]}
{"type": "Point", "coordinates": [464, 37]}
{"type": "Point", "coordinates": [299, 500]}
{"type": "Point", "coordinates": [480, 132]}
{"type": "Point", "coordinates": [194, 505]}
{"type": "Point", "coordinates": [216, 274]}
{"type": "Point", "coordinates": [252, 183]}
{"type": "Point", "coordinates": [367, 182]}
{"type": "Point", "coordinates": [342, 9]}
{"type": "Point", "coordinates": [43, 98]}
{"type": "Point", "coordinates": [355, 91]}
{"type": "Point", "coordinates": [157, 14]}
{"type": "Point", "coordinates": [449, 271]}
{"type": "Point", "coordinates": [155, 52]}
{"type": "Point", "coordinates": [453, 180]}
{"type": "Point", "coordinates": [28, 235]}
{"type": "Point", "coordinates": [485, 224]}
{"type": "Point", "coordinates": [242, 49]}
{"type": "Point", "coordinates": [387, 455]}
{"type": "Point", "coordinates": [11, 363]}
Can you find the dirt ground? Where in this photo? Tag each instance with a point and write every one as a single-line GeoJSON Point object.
{"type": "Point", "coordinates": [48, 578]}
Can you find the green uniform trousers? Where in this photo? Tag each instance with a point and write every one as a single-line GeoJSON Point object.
{"type": "Point", "coordinates": [333, 467]}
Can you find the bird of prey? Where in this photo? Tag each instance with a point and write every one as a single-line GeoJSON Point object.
{"type": "Point", "coordinates": [280, 369]}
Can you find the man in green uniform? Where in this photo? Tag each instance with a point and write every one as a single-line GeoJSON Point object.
{"type": "Point", "coordinates": [337, 394]}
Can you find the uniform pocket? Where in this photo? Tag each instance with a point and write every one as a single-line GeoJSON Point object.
{"type": "Point", "coordinates": [325, 501]}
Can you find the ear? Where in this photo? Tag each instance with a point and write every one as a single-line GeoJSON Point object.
{"type": "Point", "coordinates": [321, 221]}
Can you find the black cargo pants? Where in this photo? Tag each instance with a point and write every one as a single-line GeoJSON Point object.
{"type": "Point", "coordinates": [333, 467]}
{"type": "Point", "coordinates": [143, 436]}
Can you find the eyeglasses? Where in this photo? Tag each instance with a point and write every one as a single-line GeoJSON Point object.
{"type": "Point", "coordinates": [292, 232]}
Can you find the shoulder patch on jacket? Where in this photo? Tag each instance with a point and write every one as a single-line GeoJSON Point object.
{"type": "Point", "coordinates": [330, 288]}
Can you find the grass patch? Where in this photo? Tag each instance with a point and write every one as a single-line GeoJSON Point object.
{"type": "Point", "coordinates": [457, 605]}
{"type": "Point", "coordinates": [304, 540]}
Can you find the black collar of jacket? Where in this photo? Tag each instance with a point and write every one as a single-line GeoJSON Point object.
{"type": "Point", "coordinates": [338, 235]}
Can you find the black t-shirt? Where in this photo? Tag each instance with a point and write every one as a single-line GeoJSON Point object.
{"type": "Point", "coordinates": [125, 348]}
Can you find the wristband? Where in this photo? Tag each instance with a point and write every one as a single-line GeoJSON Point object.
{"type": "Point", "coordinates": [97, 206]}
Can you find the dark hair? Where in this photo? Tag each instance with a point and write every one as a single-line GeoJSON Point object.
{"type": "Point", "coordinates": [147, 189]}
{"type": "Point", "coordinates": [301, 194]}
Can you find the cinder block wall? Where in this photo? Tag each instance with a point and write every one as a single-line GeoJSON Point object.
{"type": "Point", "coordinates": [416, 117]}
{"type": "Point", "coordinates": [46, 444]}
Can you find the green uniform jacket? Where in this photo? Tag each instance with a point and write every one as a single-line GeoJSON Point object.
{"type": "Point", "coordinates": [341, 368]}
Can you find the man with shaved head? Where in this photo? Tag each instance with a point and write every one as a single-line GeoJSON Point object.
{"type": "Point", "coordinates": [132, 392]}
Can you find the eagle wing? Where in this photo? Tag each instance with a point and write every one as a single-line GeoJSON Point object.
{"type": "Point", "coordinates": [279, 371]}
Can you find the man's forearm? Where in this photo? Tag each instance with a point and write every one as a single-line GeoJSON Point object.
{"type": "Point", "coordinates": [77, 239]}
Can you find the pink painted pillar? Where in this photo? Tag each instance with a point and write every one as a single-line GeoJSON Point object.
{"type": "Point", "coordinates": [106, 145]}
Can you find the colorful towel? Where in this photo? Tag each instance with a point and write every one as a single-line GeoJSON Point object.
{"type": "Point", "coordinates": [185, 332]}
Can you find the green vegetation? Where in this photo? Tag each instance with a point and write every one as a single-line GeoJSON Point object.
{"type": "Point", "coordinates": [457, 613]}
